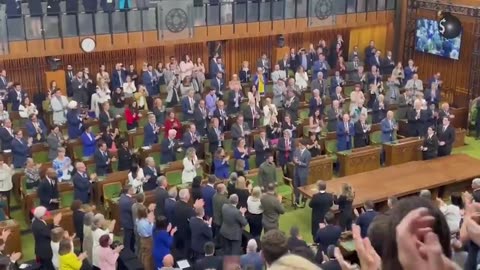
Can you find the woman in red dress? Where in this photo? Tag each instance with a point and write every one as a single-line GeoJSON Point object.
{"type": "Point", "coordinates": [173, 123]}
{"type": "Point", "coordinates": [132, 116]}
{"type": "Point", "coordinates": [341, 66]}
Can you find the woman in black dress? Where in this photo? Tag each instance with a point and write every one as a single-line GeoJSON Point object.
{"type": "Point", "coordinates": [274, 129]}
{"type": "Point", "coordinates": [288, 124]}
{"type": "Point", "coordinates": [313, 145]}
{"type": "Point", "coordinates": [197, 188]}
{"type": "Point", "coordinates": [430, 145]}
{"type": "Point", "coordinates": [242, 192]}
{"type": "Point", "coordinates": [344, 202]}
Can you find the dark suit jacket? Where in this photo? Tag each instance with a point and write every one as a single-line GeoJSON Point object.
{"type": "Point", "coordinates": [81, 188]}
{"type": "Point", "coordinates": [13, 98]}
{"type": "Point", "coordinates": [73, 124]}
{"type": "Point", "coordinates": [187, 141]}
{"type": "Point", "coordinates": [160, 196]}
{"type": "Point", "coordinates": [187, 109]}
{"type": "Point", "coordinates": [327, 236]}
{"type": "Point", "coordinates": [170, 209]}
{"type": "Point", "coordinates": [124, 159]}
{"type": "Point", "coordinates": [46, 192]}
{"type": "Point", "coordinates": [292, 110]}
{"type": "Point", "coordinates": [432, 147]}
{"type": "Point", "coordinates": [167, 152]}
{"type": "Point", "coordinates": [432, 100]}
{"type": "Point", "coordinates": [260, 151]}
{"type": "Point", "coordinates": [213, 140]}
{"type": "Point", "coordinates": [361, 137]}
{"type": "Point", "coordinates": [103, 119]}
{"type": "Point", "coordinates": [210, 262]}
{"type": "Point", "coordinates": [283, 153]}
{"type": "Point", "coordinates": [320, 204]}
{"type": "Point", "coordinates": [6, 138]}
{"type": "Point", "coordinates": [125, 204]}
{"type": "Point", "coordinates": [200, 121]}
{"type": "Point", "coordinates": [32, 132]}
{"type": "Point", "coordinates": [343, 137]}
{"type": "Point", "coordinates": [149, 135]}
{"type": "Point", "coordinates": [20, 153]}
{"type": "Point", "coordinates": [231, 102]}
{"type": "Point", "coordinates": [222, 119]}
{"type": "Point", "coordinates": [182, 214]}
{"type": "Point", "coordinates": [201, 234]}
{"type": "Point", "coordinates": [207, 196]}
{"type": "Point", "coordinates": [294, 242]}
{"type": "Point", "coordinates": [237, 132]}
{"type": "Point", "coordinates": [417, 127]}
{"type": "Point", "coordinates": [41, 233]}
{"type": "Point", "coordinates": [217, 86]}
{"type": "Point", "coordinates": [447, 136]}
{"type": "Point", "coordinates": [249, 117]}
{"type": "Point", "coordinates": [101, 166]}
{"type": "Point", "coordinates": [364, 221]}
{"type": "Point", "coordinates": [151, 184]}
{"type": "Point", "coordinates": [116, 79]}
{"type": "Point", "coordinates": [332, 120]}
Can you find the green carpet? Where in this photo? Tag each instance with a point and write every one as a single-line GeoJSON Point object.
{"type": "Point", "coordinates": [299, 217]}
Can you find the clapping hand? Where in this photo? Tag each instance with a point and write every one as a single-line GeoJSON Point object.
{"type": "Point", "coordinates": [173, 231]}
{"type": "Point", "coordinates": [199, 203]}
{"type": "Point", "coordinates": [118, 248]}
{"type": "Point", "coordinates": [15, 256]}
{"type": "Point", "coordinates": [82, 256]}
{"type": "Point", "coordinates": [151, 217]}
{"type": "Point", "coordinates": [243, 210]}
{"type": "Point", "coordinates": [209, 222]}
{"type": "Point", "coordinates": [57, 218]}
{"type": "Point", "coordinates": [151, 207]}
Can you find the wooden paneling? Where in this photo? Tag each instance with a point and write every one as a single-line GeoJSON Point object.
{"type": "Point", "coordinates": [362, 36]}
{"type": "Point", "coordinates": [455, 73]}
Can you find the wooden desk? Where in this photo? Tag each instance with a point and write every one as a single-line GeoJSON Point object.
{"type": "Point", "coordinates": [14, 243]}
{"type": "Point", "coordinates": [67, 219]}
{"type": "Point", "coordinates": [461, 117]}
{"type": "Point", "coordinates": [97, 188]}
{"type": "Point", "coordinates": [404, 179]}
{"type": "Point", "coordinates": [321, 168]}
{"type": "Point", "coordinates": [359, 160]}
{"type": "Point", "coordinates": [460, 134]}
{"type": "Point", "coordinates": [403, 150]}
{"type": "Point", "coordinates": [30, 197]}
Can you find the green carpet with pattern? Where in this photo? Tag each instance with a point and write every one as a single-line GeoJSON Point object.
{"type": "Point", "coordinates": [299, 217]}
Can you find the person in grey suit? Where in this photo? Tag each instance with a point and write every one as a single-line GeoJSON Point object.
{"type": "Point", "coordinates": [320, 83]}
{"type": "Point", "coordinates": [232, 226]}
{"type": "Point", "coordinates": [272, 208]}
{"type": "Point", "coordinates": [239, 130]}
{"type": "Point", "coordinates": [334, 114]}
{"type": "Point", "coordinates": [54, 141]}
{"type": "Point", "coordinates": [301, 159]}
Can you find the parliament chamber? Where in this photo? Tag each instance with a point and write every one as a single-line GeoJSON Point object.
{"type": "Point", "coordinates": [112, 104]}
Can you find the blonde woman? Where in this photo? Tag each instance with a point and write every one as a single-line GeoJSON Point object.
{"type": "Point", "coordinates": [234, 82]}
{"type": "Point", "coordinates": [255, 212]}
{"type": "Point", "coordinates": [141, 98]}
{"type": "Point", "coordinates": [103, 74]}
{"type": "Point", "coordinates": [345, 202]}
{"type": "Point", "coordinates": [355, 95]}
{"type": "Point", "coordinates": [190, 166]}
{"type": "Point", "coordinates": [269, 110]}
{"type": "Point", "coordinates": [245, 72]}
{"type": "Point", "coordinates": [129, 87]}
{"type": "Point", "coordinates": [301, 79]}
{"type": "Point", "coordinates": [100, 227]}
{"type": "Point", "coordinates": [242, 189]}
{"type": "Point", "coordinates": [398, 72]}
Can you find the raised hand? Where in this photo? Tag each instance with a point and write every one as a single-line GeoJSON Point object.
{"type": "Point", "coordinates": [367, 255]}
{"type": "Point", "coordinates": [15, 256]}
{"type": "Point", "coordinates": [57, 218]}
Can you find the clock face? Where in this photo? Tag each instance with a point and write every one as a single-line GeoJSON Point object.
{"type": "Point", "coordinates": [88, 45]}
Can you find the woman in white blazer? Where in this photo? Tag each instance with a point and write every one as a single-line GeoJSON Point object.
{"type": "Point", "coordinates": [301, 79]}
{"type": "Point", "coordinates": [269, 110]}
{"type": "Point", "coordinates": [190, 166]}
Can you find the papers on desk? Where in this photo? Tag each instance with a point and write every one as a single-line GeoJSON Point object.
{"type": "Point", "coordinates": [183, 264]}
{"type": "Point", "coordinates": [23, 266]}
{"type": "Point", "coordinates": [146, 147]}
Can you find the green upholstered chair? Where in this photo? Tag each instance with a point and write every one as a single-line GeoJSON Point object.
{"type": "Point", "coordinates": [66, 198]}
{"type": "Point", "coordinates": [174, 177]}
{"type": "Point", "coordinates": [122, 125]}
{"type": "Point", "coordinates": [331, 148]}
{"type": "Point", "coordinates": [111, 190]}
{"type": "Point", "coordinates": [376, 137]}
{"type": "Point", "coordinates": [40, 156]}
{"type": "Point", "coordinates": [285, 186]}
{"type": "Point", "coordinates": [303, 113]}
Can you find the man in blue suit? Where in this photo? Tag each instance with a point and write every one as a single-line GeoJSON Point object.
{"type": "Point", "coordinates": [432, 95]}
{"type": "Point", "coordinates": [150, 131]}
{"type": "Point", "coordinates": [216, 66]}
{"type": "Point", "coordinates": [188, 106]}
{"type": "Point", "coordinates": [119, 76]}
{"type": "Point", "coordinates": [7, 135]}
{"type": "Point", "coordinates": [328, 233]}
{"type": "Point", "coordinates": [103, 162]}
{"type": "Point", "coordinates": [81, 183]}
{"type": "Point", "coordinates": [207, 195]}
{"type": "Point", "coordinates": [201, 232]}
{"type": "Point", "coordinates": [16, 96]}
{"type": "Point", "coordinates": [126, 218]}
{"type": "Point", "coordinates": [151, 173]}
{"type": "Point", "coordinates": [74, 121]}
{"type": "Point", "coordinates": [365, 219]}
{"type": "Point", "coordinates": [191, 138]}
{"type": "Point", "coordinates": [36, 129]}
{"type": "Point", "coordinates": [345, 131]}
{"type": "Point", "coordinates": [388, 127]}
{"type": "Point", "coordinates": [20, 149]}
{"type": "Point", "coordinates": [218, 84]}
{"type": "Point", "coordinates": [168, 148]}
{"type": "Point", "coordinates": [301, 159]}
{"type": "Point", "coordinates": [149, 79]}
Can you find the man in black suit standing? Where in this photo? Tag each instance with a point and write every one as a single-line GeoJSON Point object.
{"type": "Point", "coordinates": [103, 161]}
{"type": "Point", "coordinates": [446, 137]}
{"type": "Point", "coordinates": [200, 115]}
{"type": "Point", "coordinates": [168, 148]}
{"type": "Point", "coordinates": [161, 194]}
{"type": "Point", "coordinates": [125, 204]}
{"type": "Point", "coordinates": [328, 233]}
{"type": "Point", "coordinates": [215, 136]}
{"type": "Point", "coordinates": [320, 204]}
{"type": "Point", "coordinates": [365, 218]}
{"type": "Point", "coordinates": [201, 232]}
{"type": "Point", "coordinates": [362, 132]}
{"type": "Point", "coordinates": [81, 183]}
{"type": "Point", "coordinates": [6, 135]}
{"type": "Point", "coordinates": [69, 76]}
{"type": "Point", "coordinates": [210, 261]}
{"type": "Point", "coordinates": [16, 96]}
{"type": "Point", "coordinates": [124, 155]}
{"type": "Point", "coordinates": [47, 190]}
{"type": "Point", "coordinates": [262, 147]}
{"type": "Point", "coordinates": [41, 233]}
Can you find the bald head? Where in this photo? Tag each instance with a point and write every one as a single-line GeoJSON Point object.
{"type": "Point", "coordinates": [168, 261]}
{"type": "Point", "coordinates": [172, 133]}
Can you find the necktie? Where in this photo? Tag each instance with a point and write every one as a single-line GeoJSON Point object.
{"type": "Point", "coordinates": [287, 144]}
{"type": "Point", "coordinates": [444, 128]}
{"type": "Point", "coordinates": [346, 127]}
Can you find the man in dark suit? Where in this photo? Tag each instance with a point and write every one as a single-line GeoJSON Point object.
{"type": "Point", "coordinates": [20, 149]}
{"type": "Point", "coordinates": [328, 233]}
{"type": "Point", "coordinates": [150, 131]}
{"type": "Point", "coordinates": [170, 203]}
{"type": "Point", "coordinates": [369, 51]}
{"type": "Point", "coordinates": [188, 106]}
{"type": "Point", "coordinates": [417, 119]}
{"type": "Point", "coordinates": [208, 191]}
{"type": "Point", "coordinates": [301, 159]}
{"type": "Point", "coordinates": [221, 114]}
{"type": "Point", "coordinates": [284, 63]}
{"type": "Point", "coordinates": [262, 147]}
{"type": "Point", "coordinates": [119, 76]}
{"type": "Point", "coordinates": [388, 64]}
{"type": "Point", "coordinates": [200, 117]}
{"type": "Point", "coordinates": [80, 89]}
{"type": "Point", "coordinates": [191, 138]}
{"type": "Point", "coordinates": [264, 63]}
{"type": "Point", "coordinates": [320, 84]}
{"type": "Point", "coordinates": [295, 240]}
{"type": "Point", "coordinates": [218, 84]}
{"type": "Point", "coordinates": [182, 214]}
{"type": "Point", "coordinates": [54, 141]}
{"type": "Point", "coordinates": [201, 232]}
{"type": "Point", "coordinates": [388, 126]}
{"type": "Point", "coordinates": [69, 73]}
{"type": "Point", "coordinates": [82, 184]}
{"type": "Point", "coordinates": [41, 233]}
{"type": "Point", "coordinates": [446, 137]}
{"type": "Point", "coordinates": [291, 105]}
{"type": "Point", "coordinates": [239, 130]}
{"type": "Point", "coordinates": [251, 114]}
{"type": "Point", "coordinates": [345, 132]}
{"type": "Point", "coordinates": [215, 136]}
{"type": "Point", "coordinates": [161, 194]}
{"type": "Point", "coordinates": [362, 132]}
{"type": "Point", "coordinates": [233, 221]}
{"type": "Point", "coordinates": [7, 135]}
{"type": "Point", "coordinates": [125, 204]}
{"type": "Point", "coordinates": [334, 114]}
{"type": "Point", "coordinates": [151, 173]}
{"type": "Point", "coordinates": [320, 203]}
{"type": "Point", "coordinates": [432, 95]}
{"type": "Point", "coordinates": [150, 81]}
{"type": "Point", "coordinates": [124, 155]}
{"type": "Point", "coordinates": [234, 101]}
{"type": "Point", "coordinates": [375, 60]}
{"type": "Point", "coordinates": [36, 129]}
{"type": "Point", "coordinates": [47, 190]}
{"type": "Point", "coordinates": [365, 218]}
{"type": "Point", "coordinates": [103, 162]}
{"type": "Point", "coordinates": [3, 80]}
{"type": "Point", "coordinates": [168, 148]}
{"type": "Point", "coordinates": [210, 261]}
{"type": "Point", "coordinates": [216, 67]}
{"type": "Point", "coordinates": [285, 148]}
{"type": "Point", "coordinates": [16, 96]}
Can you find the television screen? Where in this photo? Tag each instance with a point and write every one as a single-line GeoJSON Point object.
{"type": "Point", "coordinates": [429, 40]}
